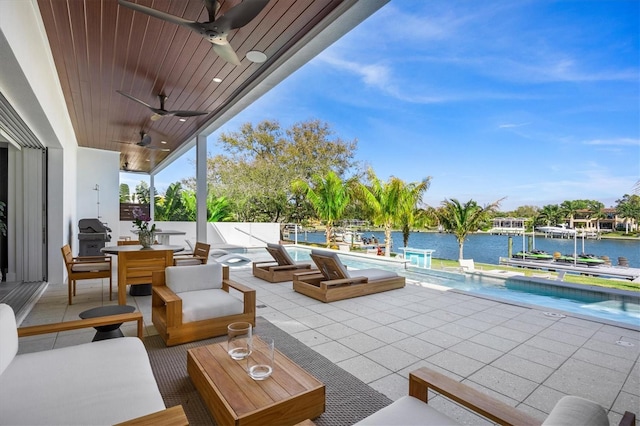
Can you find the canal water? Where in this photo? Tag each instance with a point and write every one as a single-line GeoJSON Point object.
{"type": "Point", "coordinates": [487, 248]}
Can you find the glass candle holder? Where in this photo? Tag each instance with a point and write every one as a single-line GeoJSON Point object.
{"type": "Point", "coordinates": [260, 360]}
{"type": "Point", "coordinates": [239, 340]}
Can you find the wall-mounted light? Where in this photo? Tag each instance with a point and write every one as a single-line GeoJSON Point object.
{"type": "Point", "coordinates": [256, 56]}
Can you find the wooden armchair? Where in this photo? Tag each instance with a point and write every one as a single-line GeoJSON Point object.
{"type": "Point", "coordinates": [136, 267]}
{"type": "Point", "coordinates": [200, 256]}
{"type": "Point", "coordinates": [193, 302]}
{"type": "Point", "coordinates": [414, 408]}
{"type": "Point", "coordinates": [85, 268]}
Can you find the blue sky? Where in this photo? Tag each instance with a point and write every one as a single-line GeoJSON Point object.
{"type": "Point", "coordinates": [536, 101]}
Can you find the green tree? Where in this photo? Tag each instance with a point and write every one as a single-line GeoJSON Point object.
{"type": "Point", "coordinates": [408, 215]}
{"type": "Point", "coordinates": [551, 214]}
{"type": "Point", "coordinates": [384, 202]}
{"type": "Point", "coordinates": [142, 192]}
{"type": "Point", "coordinates": [261, 161]}
{"type": "Point", "coordinates": [170, 206]}
{"type": "Point", "coordinates": [125, 196]}
{"type": "Point", "coordinates": [628, 207]}
{"type": "Point", "coordinates": [328, 195]}
{"type": "Point", "coordinates": [596, 211]}
{"type": "Point", "coordinates": [462, 219]}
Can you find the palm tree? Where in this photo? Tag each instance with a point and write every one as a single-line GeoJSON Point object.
{"type": "Point", "coordinates": [328, 195]}
{"type": "Point", "coordinates": [551, 214]}
{"type": "Point", "coordinates": [596, 212]}
{"type": "Point", "coordinates": [408, 215]}
{"type": "Point", "coordinates": [569, 209]}
{"type": "Point", "coordinates": [387, 201]}
{"type": "Point", "coordinates": [462, 219]}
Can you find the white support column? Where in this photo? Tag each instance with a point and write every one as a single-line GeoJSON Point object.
{"type": "Point", "coordinates": [201, 188]}
{"type": "Point", "coordinates": [152, 196]}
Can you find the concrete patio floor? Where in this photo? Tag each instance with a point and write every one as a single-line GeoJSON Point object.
{"type": "Point", "coordinates": [517, 354]}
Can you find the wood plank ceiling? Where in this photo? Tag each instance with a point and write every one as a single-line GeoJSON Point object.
{"type": "Point", "coordinates": [100, 47]}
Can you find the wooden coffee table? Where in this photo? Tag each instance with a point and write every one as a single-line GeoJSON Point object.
{"type": "Point", "coordinates": [289, 396]}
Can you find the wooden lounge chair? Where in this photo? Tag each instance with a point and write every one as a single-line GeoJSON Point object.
{"type": "Point", "coordinates": [332, 282]}
{"type": "Point", "coordinates": [281, 269]}
{"type": "Point", "coordinates": [414, 409]}
{"type": "Point", "coordinates": [200, 256]}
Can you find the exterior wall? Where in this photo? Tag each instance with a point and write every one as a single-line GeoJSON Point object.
{"type": "Point", "coordinates": [98, 167]}
{"type": "Point", "coordinates": [28, 79]}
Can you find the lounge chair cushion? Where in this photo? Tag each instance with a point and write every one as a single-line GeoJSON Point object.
{"type": "Point", "coordinates": [103, 382]}
{"type": "Point", "coordinates": [192, 278]}
{"type": "Point", "coordinates": [373, 274]}
{"type": "Point", "coordinates": [90, 266]}
{"type": "Point", "coordinates": [206, 304]}
{"type": "Point", "coordinates": [280, 254]}
{"type": "Point", "coordinates": [407, 411]}
{"type": "Point", "coordinates": [573, 410]}
{"type": "Point", "coordinates": [8, 336]}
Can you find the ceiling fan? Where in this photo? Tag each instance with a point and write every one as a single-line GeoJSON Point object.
{"type": "Point", "coordinates": [144, 142]}
{"type": "Point", "coordinates": [162, 112]}
{"type": "Point", "coordinates": [214, 30]}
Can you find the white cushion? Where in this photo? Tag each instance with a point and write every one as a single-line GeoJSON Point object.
{"type": "Point", "coordinates": [8, 336]}
{"type": "Point", "coordinates": [102, 382]}
{"type": "Point", "coordinates": [286, 259]}
{"type": "Point", "coordinates": [205, 304]}
{"type": "Point", "coordinates": [341, 268]}
{"type": "Point", "coordinates": [407, 411]}
{"type": "Point", "coordinates": [373, 274]}
{"type": "Point", "coordinates": [193, 278]}
{"type": "Point", "coordinates": [573, 410]}
{"type": "Point", "coordinates": [90, 266]}
{"type": "Point", "coordinates": [187, 261]}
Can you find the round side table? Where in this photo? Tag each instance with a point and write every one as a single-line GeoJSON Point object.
{"type": "Point", "coordinates": [110, 331]}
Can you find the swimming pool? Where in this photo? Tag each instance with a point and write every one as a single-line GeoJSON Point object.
{"type": "Point", "coordinates": [619, 308]}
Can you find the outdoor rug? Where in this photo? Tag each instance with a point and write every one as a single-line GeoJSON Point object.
{"type": "Point", "coordinates": [348, 399]}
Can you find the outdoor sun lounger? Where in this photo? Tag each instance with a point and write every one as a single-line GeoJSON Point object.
{"type": "Point", "coordinates": [332, 282]}
{"type": "Point", "coordinates": [281, 268]}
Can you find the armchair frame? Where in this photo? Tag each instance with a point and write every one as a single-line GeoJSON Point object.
{"type": "Point", "coordinates": [200, 252]}
{"type": "Point", "coordinates": [73, 276]}
{"type": "Point", "coordinates": [166, 312]}
{"type": "Point", "coordinates": [424, 379]}
{"type": "Point", "coordinates": [172, 416]}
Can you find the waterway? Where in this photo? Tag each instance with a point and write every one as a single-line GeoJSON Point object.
{"type": "Point", "coordinates": [487, 248]}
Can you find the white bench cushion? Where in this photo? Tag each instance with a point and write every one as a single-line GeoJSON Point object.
{"type": "Point", "coordinates": [205, 304]}
{"type": "Point", "coordinates": [90, 267]}
{"type": "Point", "coordinates": [407, 411]}
{"type": "Point", "coordinates": [102, 382]}
{"type": "Point", "coordinates": [192, 278]}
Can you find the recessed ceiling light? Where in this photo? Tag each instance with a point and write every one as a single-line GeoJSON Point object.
{"type": "Point", "coordinates": [165, 150]}
{"type": "Point", "coordinates": [217, 79]}
{"type": "Point", "coordinates": [163, 142]}
{"type": "Point", "coordinates": [183, 119]}
{"type": "Point", "coordinates": [256, 56]}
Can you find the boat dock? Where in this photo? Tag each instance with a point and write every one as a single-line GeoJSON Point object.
{"type": "Point", "coordinates": [632, 274]}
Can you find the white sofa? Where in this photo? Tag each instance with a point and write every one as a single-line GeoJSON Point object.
{"type": "Point", "coordinates": [413, 409]}
{"type": "Point", "coordinates": [104, 382]}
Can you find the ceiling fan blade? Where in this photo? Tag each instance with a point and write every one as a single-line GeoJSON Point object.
{"type": "Point", "coordinates": [157, 116]}
{"type": "Point", "coordinates": [241, 14]}
{"type": "Point", "coordinates": [135, 99]}
{"type": "Point", "coordinates": [212, 7]}
{"type": "Point", "coordinates": [155, 13]}
{"type": "Point", "coordinates": [188, 113]}
{"type": "Point", "coordinates": [145, 139]}
{"type": "Point", "coordinates": [225, 51]}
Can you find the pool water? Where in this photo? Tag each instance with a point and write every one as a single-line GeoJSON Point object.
{"type": "Point", "coordinates": [605, 306]}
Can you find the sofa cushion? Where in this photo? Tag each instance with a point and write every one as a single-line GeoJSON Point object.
{"type": "Point", "coordinates": [102, 382]}
{"type": "Point", "coordinates": [90, 266]}
{"type": "Point", "coordinates": [573, 410]}
{"type": "Point", "coordinates": [8, 336]}
{"type": "Point", "coordinates": [407, 411]}
{"type": "Point", "coordinates": [192, 278]}
{"type": "Point", "coordinates": [205, 304]}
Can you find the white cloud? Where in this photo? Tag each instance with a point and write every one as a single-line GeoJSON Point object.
{"type": "Point", "coordinates": [614, 142]}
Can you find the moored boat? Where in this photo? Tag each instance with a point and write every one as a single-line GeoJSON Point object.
{"type": "Point", "coordinates": [533, 255]}
{"type": "Point", "coordinates": [581, 259]}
